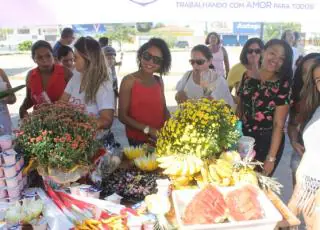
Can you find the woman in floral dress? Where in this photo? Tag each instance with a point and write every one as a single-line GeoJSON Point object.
{"type": "Point", "coordinates": [264, 103]}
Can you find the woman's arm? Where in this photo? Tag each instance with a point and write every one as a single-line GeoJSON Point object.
{"type": "Point", "coordinates": [12, 98]}
{"type": "Point", "coordinates": [124, 104]}
{"type": "Point", "coordinates": [293, 132]}
{"type": "Point", "coordinates": [226, 60]}
{"type": "Point", "coordinates": [279, 120]}
{"type": "Point", "coordinates": [166, 111]}
{"type": "Point", "coordinates": [27, 102]}
{"type": "Point", "coordinates": [105, 119]}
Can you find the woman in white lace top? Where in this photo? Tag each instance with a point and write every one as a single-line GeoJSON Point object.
{"type": "Point", "coordinates": [308, 173]}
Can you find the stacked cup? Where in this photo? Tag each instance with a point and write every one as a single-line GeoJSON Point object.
{"type": "Point", "coordinates": [11, 166]}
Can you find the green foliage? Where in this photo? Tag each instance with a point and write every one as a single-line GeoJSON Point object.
{"type": "Point", "coordinates": [121, 33]}
{"type": "Point", "coordinates": [275, 30]}
{"type": "Point", "coordinates": [159, 25]}
{"type": "Point", "coordinates": [169, 38]}
{"type": "Point", "coordinates": [25, 46]}
{"type": "Point", "coordinates": [144, 27]}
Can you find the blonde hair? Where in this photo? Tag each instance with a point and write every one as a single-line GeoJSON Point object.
{"type": "Point", "coordinates": [310, 96]}
{"type": "Point", "coordinates": [96, 71]}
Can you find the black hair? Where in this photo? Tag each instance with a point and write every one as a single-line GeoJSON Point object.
{"type": "Point", "coordinates": [103, 41]}
{"type": "Point", "coordinates": [166, 55]}
{"type": "Point", "coordinates": [205, 51]}
{"type": "Point", "coordinates": [244, 51]}
{"type": "Point", "coordinates": [285, 73]}
{"type": "Point", "coordinates": [298, 76]}
{"type": "Point", "coordinates": [40, 44]}
{"type": "Point", "coordinates": [284, 34]}
{"type": "Point", "coordinates": [63, 51]}
{"type": "Point", "coordinates": [209, 35]}
{"type": "Point", "coordinates": [297, 35]}
{"type": "Point", "coordinates": [67, 32]}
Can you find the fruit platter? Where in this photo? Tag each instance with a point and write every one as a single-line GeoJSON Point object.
{"type": "Point", "coordinates": [243, 207]}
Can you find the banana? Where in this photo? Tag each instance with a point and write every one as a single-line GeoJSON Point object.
{"type": "Point", "coordinates": [205, 175]}
{"type": "Point", "coordinates": [213, 174]}
{"type": "Point", "coordinates": [185, 169]}
{"type": "Point", "coordinates": [191, 165]}
{"type": "Point", "coordinates": [224, 168]}
{"type": "Point", "coordinates": [175, 169]}
{"type": "Point", "coordinates": [166, 159]}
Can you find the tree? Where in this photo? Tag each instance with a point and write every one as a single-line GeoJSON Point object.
{"type": "Point", "coordinates": [121, 33]}
{"type": "Point", "coordinates": [144, 27]}
{"type": "Point", "coordinates": [4, 33]}
{"type": "Point", "coordinates": [274, 30]}
{"type": "Point", "coordinates": [159, 25]}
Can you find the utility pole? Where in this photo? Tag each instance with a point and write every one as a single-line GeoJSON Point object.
{"type": "Point", "coordinates": [261, 30]}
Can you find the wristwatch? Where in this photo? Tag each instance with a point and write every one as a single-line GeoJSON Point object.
{"type": "Point", "coordinates": [146, 130]}
{"type": "Point", "coordinates": [271, 159]}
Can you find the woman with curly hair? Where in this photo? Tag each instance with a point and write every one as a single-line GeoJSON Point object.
{"type": "Point", "coordinates": [142, 104]}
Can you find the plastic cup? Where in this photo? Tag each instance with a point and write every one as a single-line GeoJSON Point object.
{"type": "Point", "coordinates": [245, 145]}
{"type": "Point", "coordinates": [1, 172]}
{"type": "Point", "coordinates": [14, 192]}
{"type": "Point", "coordinates": [12, 182]}
{"type": "Point", "coordinates": [3, 193]}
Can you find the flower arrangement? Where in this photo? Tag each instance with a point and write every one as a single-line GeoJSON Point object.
{"type": "Point", "coordinates": [203, 128]}
{"type": "Point", "coordinates": [59, 136]}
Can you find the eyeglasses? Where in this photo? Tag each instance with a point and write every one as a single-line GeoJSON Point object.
{"type": "Point", "coordinates": [155, 59]}
{"type": "Point", "coordinates": [197, 61]}
{"type": "Point", "coordinates": [257, 51]}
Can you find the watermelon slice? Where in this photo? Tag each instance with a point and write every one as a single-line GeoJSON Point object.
{"type": "Point", "coordinates": [243, 204]}
{"type": "Point", "coordinates": [207, 207]}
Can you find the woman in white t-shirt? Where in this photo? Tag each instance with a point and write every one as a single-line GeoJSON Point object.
{"type": "Point", "coordinates": [91, 87]}
{"type": "Point", "coordinates": [202, 81]}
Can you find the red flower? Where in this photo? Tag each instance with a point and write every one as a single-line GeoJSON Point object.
{"type": "Point", "coordinates": [245, 92]}
{"type": "Point", "coordinates": [39, 138]}
{"type": "Point", "coordinates": [272, 104]}
{"type": "Point", "coordinates": [259, 116]}
{"type": "Point", "coordinates": [68, 137]}
{"type": "Point", "coordinates": [286, 84]}
{"type": "Point", "coordinates": [56, 139]}
{"type": "Point", "coordinates": [32, 139]}
{"type": "Point", "coordinates": [44, 133]}
{"type": "Point", "coordinates": [74, 145]}
{"type": "Point", "coordinates": [266, 93]}
{"type": "Point", "coordinates": [255, 127]}
{"type": "Point", "coordinates": [275, 90]}
{"type": "Point", "coordinates": [282, 96]}
{"type": "Point", "coordinates": [62, 139]}
{"type": "Point", "coordinates": [269, 118]}
{"type": "Point", "coordinates": [260, 103]}
{"type": "Point", "coordinates": [256, 95]}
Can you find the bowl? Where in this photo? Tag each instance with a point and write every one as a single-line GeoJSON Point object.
{"type": "Point", "coordinates": [9, 157]}
{"type": "Point", "coordinates": [10, 171]}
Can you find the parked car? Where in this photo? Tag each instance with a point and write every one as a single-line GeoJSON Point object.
{"type": "Point", "coordinates": [182, 44]}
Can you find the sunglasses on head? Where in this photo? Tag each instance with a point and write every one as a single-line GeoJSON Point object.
{"type": "Point", "coordinates": [257, 51]}
{"type": "Point", "coordinates": [197, 61]}
{"type": "Point", "coordinates": [155, 59]}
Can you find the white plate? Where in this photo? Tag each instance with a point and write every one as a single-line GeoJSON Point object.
{"type": "Point", "coordinates": [181, 198]}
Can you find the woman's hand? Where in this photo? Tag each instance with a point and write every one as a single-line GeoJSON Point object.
{"type": "Point", "coordinates": [181, 97]}
{"type": "Point", "coordinates": [298, 147]}
{"type": "Point", "coordinates": [153, 133]}
{"type": "Point", "coordinates": [268, 167]}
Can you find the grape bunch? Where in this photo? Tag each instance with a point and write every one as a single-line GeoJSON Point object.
{"type": "Point", "coordinates": [132, 184]}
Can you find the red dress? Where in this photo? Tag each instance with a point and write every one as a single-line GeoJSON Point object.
{"type": "Point", "coordinates": [146, 107]}
{"type": "Point", "coordinates": [55, 87]}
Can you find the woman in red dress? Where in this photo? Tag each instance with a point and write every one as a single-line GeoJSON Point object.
{"type": "Point", "coordinates": [46, 83]}
{"type": "Point", "coordinates": [142, 104]}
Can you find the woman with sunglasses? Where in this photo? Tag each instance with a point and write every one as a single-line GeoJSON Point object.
{"type": "Point", "coordinates": [46, 83]}
{"type": "Point", "coordinates": [250, 59]}
{"type": "Point", "coordinates": [142, 104]}
{"type": "Point", "coordinates": [202, 80]}
{"type": "Point", "coordinates": [264, 103]}
{"type": "Point", "coordinates": [92, 88]}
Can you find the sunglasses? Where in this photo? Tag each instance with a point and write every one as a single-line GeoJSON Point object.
{"type": "Point", "coordinates": [197, 61]}
{"type": "Point", "coordinates": [155, 59]}
{"type": "Point", "coordinates": [257, 51]}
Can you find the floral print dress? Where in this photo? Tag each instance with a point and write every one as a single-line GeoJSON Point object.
{"type": "Point", "coordinates": [260, 100]}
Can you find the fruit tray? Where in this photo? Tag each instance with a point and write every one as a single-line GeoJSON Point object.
{"type": "Point", "coordinates": [181, 199]}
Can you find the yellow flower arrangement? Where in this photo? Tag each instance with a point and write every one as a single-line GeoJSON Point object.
{"type": "Point", "coordinates": [199, 127]}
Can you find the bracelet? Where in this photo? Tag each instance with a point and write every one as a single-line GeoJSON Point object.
{"type": "Point", "coordinates": [271, 159]}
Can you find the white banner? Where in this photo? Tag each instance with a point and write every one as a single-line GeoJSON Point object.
{"type": "Point", "coordinates": [50, 12]}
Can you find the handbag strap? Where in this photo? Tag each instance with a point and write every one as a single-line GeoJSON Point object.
{"type": "Point", "coordinates": [188, 77]}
